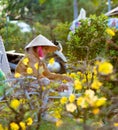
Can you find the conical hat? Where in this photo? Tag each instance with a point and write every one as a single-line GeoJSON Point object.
{"type": "Point", "coordinates": [40, 40]}
{"type": "Point", "coordinates": [61, 55]}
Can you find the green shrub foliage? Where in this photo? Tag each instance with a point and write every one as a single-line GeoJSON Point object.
{"type": "Point", "coordinates": [89, 38]}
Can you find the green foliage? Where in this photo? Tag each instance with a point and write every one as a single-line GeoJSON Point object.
{"type": "Point", "coordinates": [89, 38]}
{"type": "Point", "coordinates": [14, 39]}
{"type": "Point", "coordinates": [12, 36]}
{"type": "Point", "coordinates": [61, 31]}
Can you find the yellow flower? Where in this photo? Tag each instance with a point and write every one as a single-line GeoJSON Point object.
{"type": "Point", "coordinates": [29, 121]}
{"type": "Point", "coordinates": [1, 127]}
{"type": "Point", "coordinates": [17, 75]}
{"type": "Point", "coordinates": [91, 100]}
{"type": "Point", "coordinates": [22, 100]}
{"type": "Point", "coordinates": [14, 126]}
{"type": "Point", "coordinates": [101, 101]}
{"type": "Point", "coordinates": [116, 124]}
{"type": "Point", "coordinates": [95, 70]}
{"type": "Point", "coordinates": [77, 84]}
{"type": "Point", "coordinates": [82, 102]}
{"type": "Point", "coordinates": [51, 61]}
{"type": "Point", "coordinates": [73, 75]}
{"type": "Point", "coordinates": [110, 32]}
{"type": "Point", "coordinates": [64, 81]}
{"type": "Point", "coordinates": [71, 107]}
{"type": "Point", "coordinates": [63, 100]}
{"type": "Point", "coordinates": [89, 75]}
{"type": "Point", "coordinates": [105, 68]}
{"type": "Point", "coordinates": [36, 65]}
{"type": "Point", "coordinates": [29, 70]}
{"type": "Point", "coordinates": [96, 111]}
{"type": "Point", "coordinates": [96, 84]}
{"type": "Point", "coordinates": [72, 98]}
{"type": "Point", "coordinates": [79, 73]}
{"type": "Point", "coordinates": [97, 62]}
{"type": "Point", "coordinates": [22, 125]}
{"type": "Point", "coordinates": [15, 103]}
{"type": "Point", "coordinates": [25, 61]}
{"type": "Point", "coordinates": [89, 93]}
{"type": "Point", "coordinates": [59, 123]}
{"type": "Point", "coordinates": [83, 81]}
{"type": "Point", "coordinates": [56, 114]}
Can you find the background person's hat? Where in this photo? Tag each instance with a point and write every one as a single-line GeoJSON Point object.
{"type": "Point", "coordinates": [59, 52]}
{"type": "Point", "coordinates": [40, 40]}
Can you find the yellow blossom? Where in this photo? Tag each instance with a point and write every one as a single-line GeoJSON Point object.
{"type": "Point", "coordinates": [96, 111]}
{"type": "Point", "coordinates": [59, 123]}
{"type": "Point", "coordinates": [72, 98]}
{"type": "Point", "coordinates": [56, 114]}
{"type": "Point", "coordinates": [95, 70]}
{"type": "Point", "coordinates": [63, 100]}
{"type": "Point", "coordinates": [91, 100]}
{"type": "Point", "coordinates": [83, 81]}
{"type": "Point", "coordinates": [105, 68]}
{"type": "Point", "coordinates": [77, 84]}
{"type": "Point", "coordinates": [82, 102]}
{"type": "Point", "coordinates": [14, 126]}
{"type": "Point", "coordinates": [15, 103]}
{"type": "Point", "coordinates": [110, 32]}
{"type": "Point", "coordinates": [89, 75]}
{"type": "Point", "coordinates": [116, 124]}
{"type": "Point", "coordinates": [83, 76]}
{"type": "Point", "coordinates": [36, 65]}
{"type": "Point", "coordinates": [79, 73]}
{"type": "Point", "coordinates": [101, 101]}
{"type": "Point", "coordinates": [1, 127]}
{"type": "Point", "coordinates": [64, 81]}
{"type": "Point", "coordinates": [25, 61]}
{"type": "Point", "coordinates": [17, 75]}
{"type": "Point", "coordinates": [73, 75]}
{"type": "Point", "coordinates": [89, 93]}
{"type": "Point", "coordinates": [51, 61]}
{"type": "Point", "coordinates": [22, 125]}
{"type": "Point", "coordinates": [29, 70]}
{"type": "Point", "coordinates": [22, 100]}
{"type": "Point", "coordinates": [29, 121]}
{"type": "Point", "coordinates": [97, 62]}
{"type": "Point", "coordinates": [96, 84]}
{"type": "Point", "coordinates": [71, 107]}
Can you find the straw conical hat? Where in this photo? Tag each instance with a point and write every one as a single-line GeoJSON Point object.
{"type": "Point", "coordinates": [40, 40]}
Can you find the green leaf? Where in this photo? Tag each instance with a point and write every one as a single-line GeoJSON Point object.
{"type": "Point", "coordinates": [1, 90]}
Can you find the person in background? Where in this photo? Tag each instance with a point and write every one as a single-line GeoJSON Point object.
{"type": "Point", "coordinates": [57, 61]}
{"type": "Point", "coordinates": [32, 64]}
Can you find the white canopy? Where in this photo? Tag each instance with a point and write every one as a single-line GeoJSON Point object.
{"type": "Point", "coordinates": [112, 12]}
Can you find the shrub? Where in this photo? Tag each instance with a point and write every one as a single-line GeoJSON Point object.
{"type": "Point", "coordinates": [89, 38]}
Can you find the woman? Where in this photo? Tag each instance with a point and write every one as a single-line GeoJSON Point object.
{"type": "Point", "coordinates": [32, 63]}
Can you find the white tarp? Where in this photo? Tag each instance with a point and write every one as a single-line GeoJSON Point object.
{"type": "Point", "coordinates": [112, 12]}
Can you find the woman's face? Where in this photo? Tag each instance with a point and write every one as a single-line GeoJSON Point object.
{"type": "Point", "coordinates": [42, 51]}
